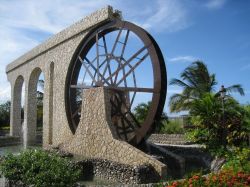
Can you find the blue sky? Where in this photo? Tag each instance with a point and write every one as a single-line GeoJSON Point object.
{"type": "Point", "coordinates": [214, 31]}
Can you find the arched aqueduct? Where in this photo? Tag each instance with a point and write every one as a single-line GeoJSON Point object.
{"type": "Point", "coordinates": [51, 58]}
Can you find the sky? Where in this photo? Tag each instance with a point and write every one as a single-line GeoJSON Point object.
{"type": "Point", "coordinates": [214, 31]}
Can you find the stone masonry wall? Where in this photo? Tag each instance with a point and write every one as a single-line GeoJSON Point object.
{"type": "Point", "coordinates": [117, 172]}
{"type": "Point", "coordinates": [172, 139]}
{"type": "Point", "coordinates": [95, 137]}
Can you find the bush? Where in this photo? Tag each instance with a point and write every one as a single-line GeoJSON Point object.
{"type": "Point", "coordinates": [219, 127]}
{"type": "Point", "coordinates": [4, 114]}
{"type": "Point", "coordinates": [172, 127]}
{"type": "Point", "coordinates": [39, 168]}
{"type": "Point", "coordinates": [238, 160]}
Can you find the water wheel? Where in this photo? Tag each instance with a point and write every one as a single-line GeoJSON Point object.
{"type": "Point", "coordinates": [124, 58]}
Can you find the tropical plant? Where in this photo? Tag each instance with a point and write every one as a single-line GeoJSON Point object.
{"type": "Point", "coordinates": [238, 159]}
{"type": "Point", "coordinates": [141, 111]}
{"type": "Point", "coordinates": [39, 168]}
{"type": "Point", "coordinates": [217, 126]}
{"type": "Point", "coordinates": [172, 127]}
{"type": "Point", "coordinates": [195, 80]}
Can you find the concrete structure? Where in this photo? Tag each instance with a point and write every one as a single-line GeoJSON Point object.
{"type": "Point", "coordinates": [52, 58]}
{"type": "Point", "coordinates": [96, 137]}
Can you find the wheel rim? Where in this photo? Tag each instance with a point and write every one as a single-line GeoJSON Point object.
{"type": "Point", "coordinates": [106, 58]}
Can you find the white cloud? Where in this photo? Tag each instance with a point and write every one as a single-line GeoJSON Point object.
{"type": "Point", "coordinates": [215, 4]}
{"type": "Point", "coordinates": [13, 44]}
{"type": "Point", "coordinates": [5, 94]}
{"type": "Point", "coordinates": [48, 16]}
{"type": "Point", "coordinates": [164, 15]}
{"type": "Point", "coordinates": [19, 18]}
{"type": "Point", "coordinates": [246, 67]}
{"type": "Point", "coordinates": [182, 59]}
{"type": "Point", "coordinates": [24, 23]}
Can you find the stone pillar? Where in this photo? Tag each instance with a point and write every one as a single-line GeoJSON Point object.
{"type": "Point", "coordinates": [48, 105]}
{"type": "Point", "coordinates": [30, 106]}
{"type": "Point", "coordinates": [96, 137]}
{"type": "Point", "coordinates": [30, 112]}
{"type": "Point", "coordinates": [15, 111]}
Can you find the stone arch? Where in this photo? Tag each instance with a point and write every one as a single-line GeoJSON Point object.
{"type": "Point", "coordinates": [16, 107]}
{"type": "Point", "coordinates": [30, 109]}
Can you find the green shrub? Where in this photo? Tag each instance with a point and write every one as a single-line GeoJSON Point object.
{"type": "Point", "coordinates": [219, 127]}
{"type": "Point", "coordinates": [238, 160]}
{"type": "Point", "coordinates": [39, 168]}
{"type": "Point", "coordinates": [4, 113]}
{"type": "Point", "coordinates": [172, 127]}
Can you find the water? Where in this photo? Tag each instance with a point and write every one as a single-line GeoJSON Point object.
{"type": "Point", "coordinates": [15, 149]}
{"type": "Point", "coordinates": [2, 182]}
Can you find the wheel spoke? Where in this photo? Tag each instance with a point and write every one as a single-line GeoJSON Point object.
{"type": "Point", "coordinates": [128, 61]}
{"type": "Point", "coordinates": [92, 84]}
{"type": "Point", "coordinates": [108, 60]}
{"type": "Point", "coordinates": [116, 41]}
{"type": "Point", "coordinates": [124, 129]}
{"type": "Point", "coordinates": [95, 69]}
{"type": "Point", "coordinates": [97, 55]}
{"type": "Point", "coordinates": [133, 68]}
{"type": "Point", "coordinates": [127, 89]}
{"type": "Point", "coordinates": [134, 81]}
{"type": "Point", "coordinates": [87, 69]}
{"type": "Point", "coordinates": [132, 100]}
{"type": "Point", "coordinates": [122, 53]}
{"type": "Point", "coordinates": [125, 43]}
{"type": "Point", "coordinates": [134, 119]}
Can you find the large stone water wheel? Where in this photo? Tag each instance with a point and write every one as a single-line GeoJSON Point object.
{"type": "Point", "coordinates": [124, 58]}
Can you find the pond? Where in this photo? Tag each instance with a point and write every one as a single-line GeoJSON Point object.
{"type": "Point", "coordinates": [15, 149]}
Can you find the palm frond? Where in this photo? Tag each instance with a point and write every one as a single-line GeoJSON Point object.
{"type": "Point", "coordinates": [178, 82]}
{"type": "Point", "coordinates": [237, 88]}
{"type": "Point", "coordinates": [179, 102]}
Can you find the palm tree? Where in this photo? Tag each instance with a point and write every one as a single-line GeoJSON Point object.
{"type": "Point", "coordinates": [196, 81]}
{"type": "Point", "coordinates": [141, 111]}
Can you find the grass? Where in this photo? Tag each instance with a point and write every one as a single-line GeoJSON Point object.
{"type": "Point", "coordinates": [172, 127]}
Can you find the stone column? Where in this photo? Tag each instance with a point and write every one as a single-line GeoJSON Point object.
{"type": "Point", "coordinates": [48, 105]}
{"type": "Point", "coordinates": [30, 112]}
{"type": "Point", "coordinates": [30, 106]}
{"type": "Point", "coordinates": [15, 111]}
